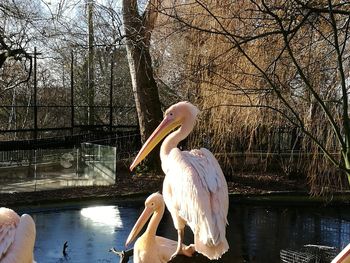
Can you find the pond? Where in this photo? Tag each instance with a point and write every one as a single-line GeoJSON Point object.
{"type": "Point", "coordinates": [256, 232]}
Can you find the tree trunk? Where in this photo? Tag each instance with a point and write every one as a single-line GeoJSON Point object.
{"type": "Point", "coordinates": [138, 29]}
{"type": "Point", "coordinates": [346, 158]}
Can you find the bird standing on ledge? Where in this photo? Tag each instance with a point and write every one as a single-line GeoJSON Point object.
{"type": "Point", "coordinates": [17, 237]}
{"type": "Point", "coordinates": [194, 188]}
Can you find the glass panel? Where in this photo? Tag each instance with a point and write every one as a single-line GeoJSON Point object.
{"type": "Point", "coordinates": [42, 169]}
{"type": "Point", "coordinates": [98, 162]}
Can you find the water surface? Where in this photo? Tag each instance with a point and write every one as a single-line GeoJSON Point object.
{"type": "Point", "coordinates": [256, 233]}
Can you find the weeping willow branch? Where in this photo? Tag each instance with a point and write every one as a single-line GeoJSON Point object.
{"type": "Point", "coordinates": [307, 83]}
{"type": "Point", "coordinates": [345, 116]}
{"type": "Point", "coordinates": [303, 129]}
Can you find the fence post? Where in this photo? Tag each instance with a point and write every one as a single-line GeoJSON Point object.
{"type": "Point", "coordinates": [72, 93]}
{"type": "Point", "coordinates": [111, 94]}
{"type": "Point", "coordinates": [35, 100]}
{"type": "Point", "coordinates": [116, 157]}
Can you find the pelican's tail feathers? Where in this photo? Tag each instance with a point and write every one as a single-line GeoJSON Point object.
{"type": "Point", "coordinates": [211, 252]}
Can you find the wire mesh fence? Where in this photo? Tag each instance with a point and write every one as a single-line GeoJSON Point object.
{"type": "Point", "coordinates": [309, 254]}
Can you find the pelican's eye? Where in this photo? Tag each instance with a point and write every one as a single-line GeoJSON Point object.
{"type": "Point", "coordinates": [152, 204]}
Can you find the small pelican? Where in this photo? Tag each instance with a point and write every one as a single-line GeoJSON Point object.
{"type": "Point", "coordinates": [194, 189]}
{"type": "Point", "coordinates": [150, 248]}
{"type": "Point", "coordinates": [17, 237]}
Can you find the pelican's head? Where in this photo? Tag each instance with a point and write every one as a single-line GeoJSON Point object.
{"type": "Point", "coordinates": [153, 203]}
{"type": "Point", "coordinates": [174, 116]}
{"type": "Point", "coordinates": [182, 110]}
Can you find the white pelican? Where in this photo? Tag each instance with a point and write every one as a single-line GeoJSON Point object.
{"type": "Point", "coordinates": [150, 248]}
{"type": "Point", "coordinates": [194, 188]}
{"type": "Point", "coordinates": [17, 237]}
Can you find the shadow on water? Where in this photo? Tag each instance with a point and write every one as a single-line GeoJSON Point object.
{"type": "Point", "coordinates": [256, 233]}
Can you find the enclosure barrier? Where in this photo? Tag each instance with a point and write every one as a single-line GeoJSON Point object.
{"type": "Point", "coordinates": [308, 254]}
{"type": "Point", "coordinates": [91, 163]}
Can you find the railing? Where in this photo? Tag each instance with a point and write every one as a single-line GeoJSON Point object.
{"type": "Point", "coordinates": [51, 120]}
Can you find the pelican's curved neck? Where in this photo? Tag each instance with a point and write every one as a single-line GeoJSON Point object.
{"type": "Point", "coordinates": [173, 139]}
{"type": "Point", "coordinates": [155, 220]}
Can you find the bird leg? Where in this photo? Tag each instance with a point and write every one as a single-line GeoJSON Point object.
{"type": "Point", "coordinates": [189, 250]}
{"type": "Point", "coordinates": [182, 250]}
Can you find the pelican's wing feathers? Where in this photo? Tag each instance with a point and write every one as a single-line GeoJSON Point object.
{"type": "Point", "coordinates": [166, 246]}
{"type": "Point", "coordinates": [8, 224]}
{"type": "Point", "coordinates": [199, 193]}
{"type": "Point", "coordinates": [17, 237]}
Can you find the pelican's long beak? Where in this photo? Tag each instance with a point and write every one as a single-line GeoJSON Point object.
{"type": "Point", "coordinates": [165, 127]}
{"type": "Point", "coordinates": [146, 214]}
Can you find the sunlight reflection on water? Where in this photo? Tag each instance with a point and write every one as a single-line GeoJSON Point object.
{"type": "Point", "coordinates": [90, 233]}
{"type": "Point", "coordinates": [103, 215]}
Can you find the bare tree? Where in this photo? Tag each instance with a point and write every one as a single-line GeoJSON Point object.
{"type": "Point", "coordinates": [16, 19]}
{"type": "Point", "coordinates": [59, 29]}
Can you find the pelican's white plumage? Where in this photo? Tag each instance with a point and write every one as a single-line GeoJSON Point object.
{"type": "Point", "coordinates": [194, 188]}
{"type": "Point", "coordinates": [17, 237]}
{"type": "Point", "coordinates": [195, 192]}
